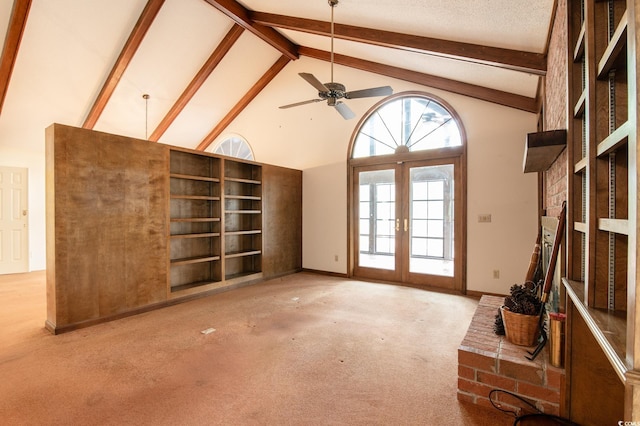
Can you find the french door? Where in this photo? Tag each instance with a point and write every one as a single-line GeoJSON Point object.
{"type": "Point", "coordinates": [408, 223]}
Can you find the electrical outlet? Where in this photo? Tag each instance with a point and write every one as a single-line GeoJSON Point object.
{"type": "Point", "coordinates": [496, 274]}
{"type": "Point", "coordinates": [335, 257]}
{"type": "Point", "coordinates": [484, 218]}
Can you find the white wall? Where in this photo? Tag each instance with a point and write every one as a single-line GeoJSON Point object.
{"type": "Point", "coordinates": [315, 139]}
{"type": "Point", "coordinates": [34, 162]}
{"type": "Point", "coordinates": [324, 220]}
{"type": "Point", "coordinates": [497, 186]}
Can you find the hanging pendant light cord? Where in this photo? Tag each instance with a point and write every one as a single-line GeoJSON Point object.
{"type": "Point", "coordinates": [146, 115]}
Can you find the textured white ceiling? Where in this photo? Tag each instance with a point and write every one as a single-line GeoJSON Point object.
{"type": "Point", "coordinates": [513, 24]}
{"type": "Point", "coordinates": [491, 77]}
{"type": "Point", "coordinates": [70, 46]}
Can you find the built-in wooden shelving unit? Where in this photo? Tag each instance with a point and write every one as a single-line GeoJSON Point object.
{"type": "Point", "coordinates": [242, 218]}
{"type": "Point", "coordinates": [195, 254]}
{"type": "Point", "coordinates": [602, 240]}
{"type": "Point", "coordinates": [134, 225]}
{"type": "Point", "coordinates": [216, 219]}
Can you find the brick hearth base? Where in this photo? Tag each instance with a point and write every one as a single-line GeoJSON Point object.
{"type": "Point", "coordinates": [487, 361]}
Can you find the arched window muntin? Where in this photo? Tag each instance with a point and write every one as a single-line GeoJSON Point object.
{"type": "Point", "coordinates": [433, 130]}
{"type": "Point", "coordinates": [234, 145]}
{"type": "Point", "coordinates": [445, 154]}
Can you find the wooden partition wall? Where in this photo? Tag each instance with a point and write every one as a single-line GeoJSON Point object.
{"type": "Point", "coordinates": [111, 248]}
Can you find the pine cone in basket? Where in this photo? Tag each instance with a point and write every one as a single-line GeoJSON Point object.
{"type": "Point", "coordinates": [523, 300]}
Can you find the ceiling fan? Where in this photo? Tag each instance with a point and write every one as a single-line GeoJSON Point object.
{"type": "Point", "coordinates": [333, 91]}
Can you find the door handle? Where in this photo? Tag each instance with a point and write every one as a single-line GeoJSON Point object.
{"type": "Point", "coordinates": [406, 225]}
{"type": "Point", "coordinates": [397, 225]}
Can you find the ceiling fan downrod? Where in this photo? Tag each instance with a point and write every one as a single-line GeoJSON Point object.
{"type": "Point", "coordinates": [331, 92]}
{"type": "Point", "coordinates": [333, 4]}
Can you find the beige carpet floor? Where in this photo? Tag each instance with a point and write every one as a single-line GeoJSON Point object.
{"type": "Point", "coordinates": [305, 349]}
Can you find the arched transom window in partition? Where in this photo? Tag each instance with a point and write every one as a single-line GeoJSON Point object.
{"type": "Point", "coordinates": [406, 123]}
{"type": "Point", "coordinates": [234, 146]}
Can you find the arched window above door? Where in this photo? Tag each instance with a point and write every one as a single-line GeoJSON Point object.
{"type": "Point", "coordinates": [407, 186]}
{"type": "Point", "coordinates": [406, 123]}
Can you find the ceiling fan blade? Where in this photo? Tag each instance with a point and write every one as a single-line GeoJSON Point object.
{"type": "Point", "coordinates": [300, 103]}
{"type": "Point", "coordinates": [344, 110]}
{"type": "Point", "coordinates": [312, 80]}
{"type": "Point", "coordinates": [366, 93]}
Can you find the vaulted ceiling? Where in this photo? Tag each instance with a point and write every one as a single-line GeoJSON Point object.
{"type": "Point", "coordinates": [89, 63]}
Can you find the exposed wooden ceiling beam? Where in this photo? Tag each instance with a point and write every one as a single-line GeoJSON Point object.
{"type": "Point", "coordinates": [478, 92]}
{"type": "Point", "coordinates": [223, 48]}
{"type": "Point", "coordinates": [533, 63]}
{"type": "Point", "coordinates": [246, 99]}
{"type": "Point", "coordinates": [128, 51]}
{"type": "Point", "coordinates": [241, 16]}
{"type": "Point", "coordinates": [17, 23]}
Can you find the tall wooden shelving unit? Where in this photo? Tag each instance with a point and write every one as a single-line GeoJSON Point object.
{"type": "Point", "coordinates": [242, 219]}
{"type": "Point", "coordinates": [603, 369]}
{"type": "Point", "coordinates": [215, 220]}
{"type": "Point", "coordinates": [134, 225]}
{"type": "Point", "coordinates": [195, 253]}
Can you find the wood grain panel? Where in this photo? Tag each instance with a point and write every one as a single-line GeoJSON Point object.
{"type": "Point", "coordinates": [108, 220]}
{"type": "Point", "coordinates": [145, 225]}
{"type": "Point", "coordinates": [108, 210]}
{"type": "Point", "coordinates": [592, 405]}
{"type": "Point", "coordinates": [282, 220]}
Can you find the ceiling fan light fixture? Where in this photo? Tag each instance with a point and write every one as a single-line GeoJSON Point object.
{"type": "Point", "coordinates": [333, 91]}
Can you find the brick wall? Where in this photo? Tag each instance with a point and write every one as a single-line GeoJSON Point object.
{"type": "Point", "coordinates": [487, 361]}
{"type": "Point", "coordinates": [555, 185]}
{"type": "Point", "coordinates": [555, 109]}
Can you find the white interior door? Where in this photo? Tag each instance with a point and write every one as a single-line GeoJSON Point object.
{"type": "Point", "coordinates": [14, 249]}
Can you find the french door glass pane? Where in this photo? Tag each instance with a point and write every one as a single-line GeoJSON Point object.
{"type": "Point", "coordinates": [432, 220]}
{"type": "Point", "coordinates": [364, 210]}
{"type": "Point", "coordinates": [420, 228]}
{"type": "Point", "coordinates": [435, 228]}
{"type": "Point", "coordinates": [418, 247]}
{"type": "Point", "coordinates": [436, 189]}
{"type": "Point", "coordinates": [435, 210]}
{"type": "Point", "coordinates": [435, 248]}
{"type": "Point", "coordinates": [377, 216]}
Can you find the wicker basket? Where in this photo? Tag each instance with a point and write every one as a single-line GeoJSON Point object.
{"type": "Point", "coordinates": [520, 329]}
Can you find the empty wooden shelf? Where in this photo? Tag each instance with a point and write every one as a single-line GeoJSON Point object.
{"type": "Point", "coordinates": [134, 225]}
